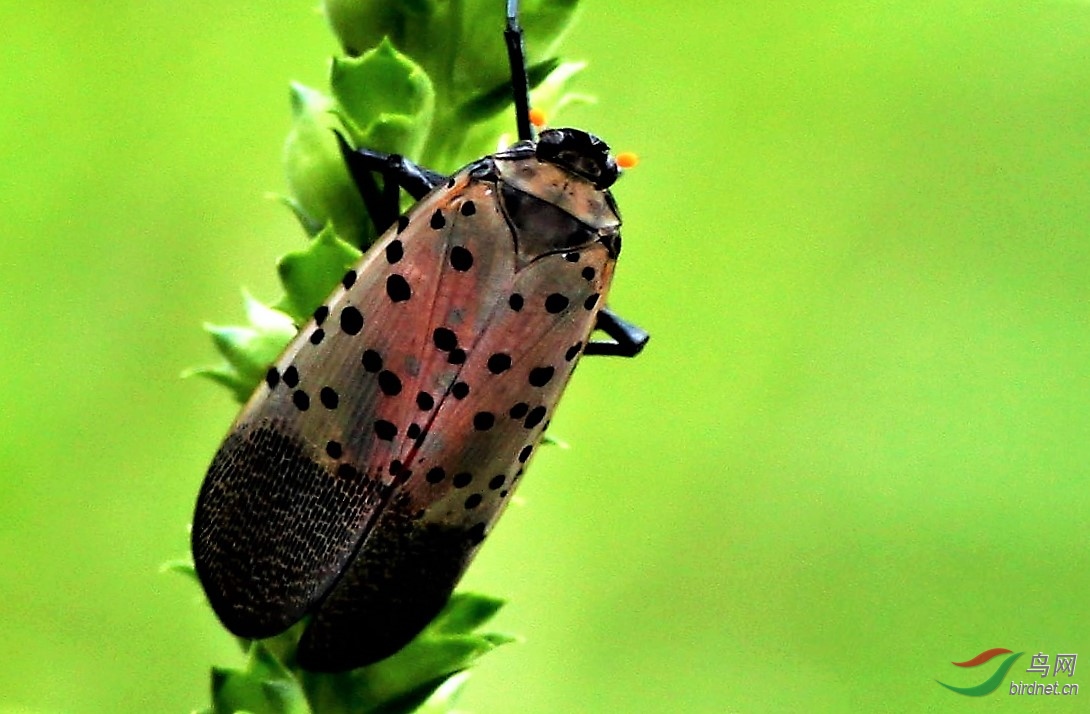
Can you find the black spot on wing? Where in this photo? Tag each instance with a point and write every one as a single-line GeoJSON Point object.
{"type": "Point", "coordinates": [461, 259]}
{"type": "Point", "coordinates": [389, 383]}
{"type": "Point", "coordinates": [351, 320]}
{"type": "Point", "coordinates": [555, 303]}
{"type": "Point", "coordinates": [372, 360]}
{"type": "Point", "coordinates": [540, 376]}
{"type": "Point", "coordinates": [444, 339]}
{"type": "Point", "coordinates": [397, 288]}
{"type": "Point", "coordinates": [499, 363]}
{"type": "Point", "coordinates": [395, 251]}
{"type": "Point", "coordinates": [534, 417]}
{"type": "Point", "coordinates": [385, 430]}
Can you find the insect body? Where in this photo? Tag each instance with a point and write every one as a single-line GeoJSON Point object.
{"type": "Point", "coordinates": [361, 477]}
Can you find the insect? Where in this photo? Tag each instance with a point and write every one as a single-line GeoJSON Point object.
{"type": "Point", "coordinates": [361, 477]}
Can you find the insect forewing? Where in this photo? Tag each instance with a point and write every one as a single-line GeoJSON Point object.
{"type": "Point", "coordinates": [307, 464]}
{"type": "Point", "coordinates": [484, 431]}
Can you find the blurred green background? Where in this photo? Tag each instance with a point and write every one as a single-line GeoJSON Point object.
{"type": "Point", "coordinates": [855, 450]}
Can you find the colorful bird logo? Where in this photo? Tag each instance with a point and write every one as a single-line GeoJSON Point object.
{"type": "Point", "coordinates": [991, 683]}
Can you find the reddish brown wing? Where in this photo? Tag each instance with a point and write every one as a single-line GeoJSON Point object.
{"type": "Point", "coordinates": [315, 453]}
{"type": "Point", "coordinates": [520, 353]}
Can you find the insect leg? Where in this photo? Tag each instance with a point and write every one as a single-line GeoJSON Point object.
{"type": "Point", "coordinates": [416, 180]}
{"type": "Point", "coordinates": [516, 56]}
{"type": "Point", "coordinates": [397, 172]}
{"type": "Point", "coordinates": [628, 339]}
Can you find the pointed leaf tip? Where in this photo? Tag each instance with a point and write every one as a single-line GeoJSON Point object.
{"type": "Point", "coordinates": [380, 84]}
{"type": "Point", "coordinates": [310, 274]}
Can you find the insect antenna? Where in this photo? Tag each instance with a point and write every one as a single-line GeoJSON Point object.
{"type": "Point", "coordinates": [520, 85]}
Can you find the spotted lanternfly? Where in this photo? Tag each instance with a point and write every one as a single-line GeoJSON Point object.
{"type": "Point", "coordinates": [361, 477]}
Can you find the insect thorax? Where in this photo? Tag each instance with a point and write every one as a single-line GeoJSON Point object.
{"type": "Point", "coordinates": [550, 209]}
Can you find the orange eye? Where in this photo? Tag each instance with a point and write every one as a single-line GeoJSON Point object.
{"type": "Point", "coordinates": [627, 160]}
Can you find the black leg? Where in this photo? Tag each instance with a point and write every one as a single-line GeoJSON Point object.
{"type": "Point", "coordinates": [520, 85]}
{"type": "Point", "coordinates": [382, 213]}
{"type": "Point", "coordinates": [397, 173]}
{"type": "Point", "coordinates": [416, 180]}
{"type": "Point", "coordinates": [628, 339]}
